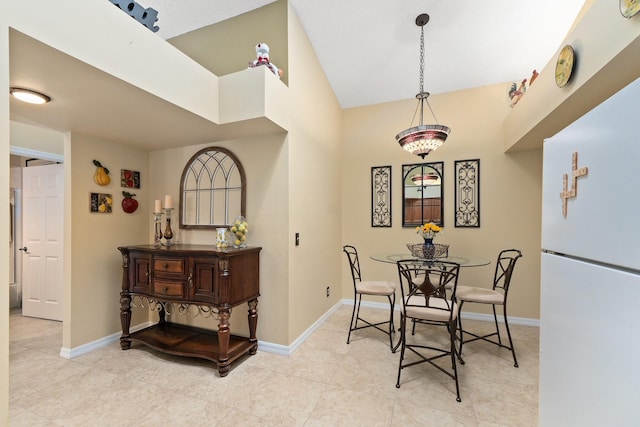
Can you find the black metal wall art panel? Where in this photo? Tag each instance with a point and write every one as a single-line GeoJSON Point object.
{"type": "Point", "coordinates": [467, 193]}
{"type": "Point", "coordinates": [381, 196]}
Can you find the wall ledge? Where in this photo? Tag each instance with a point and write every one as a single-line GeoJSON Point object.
{"type": "Point", "coordinates": [251, 94]}
{"type": "Point", "coordinates": [606, 61]}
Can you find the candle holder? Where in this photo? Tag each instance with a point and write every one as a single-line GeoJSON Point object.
{"type": "Point", "coordinates": [168, 233]}
{"type": "Point", "coordinates": [157, 227]}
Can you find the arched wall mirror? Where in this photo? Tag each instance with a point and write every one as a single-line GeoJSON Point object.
{"type": "Point", "coordinates": [212, 189]}
{"type": "Point", "coordinates": [422, 196]}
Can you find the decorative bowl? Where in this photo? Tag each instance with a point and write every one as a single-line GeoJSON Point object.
{"type": "Point", "coordinates": [417, 250]}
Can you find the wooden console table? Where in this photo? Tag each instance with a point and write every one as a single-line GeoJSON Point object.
{"type": "Point", "coordinates": [181, 276]}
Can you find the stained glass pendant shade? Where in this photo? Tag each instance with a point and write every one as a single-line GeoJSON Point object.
{"type": "Point", "coordinates": [423, 138]}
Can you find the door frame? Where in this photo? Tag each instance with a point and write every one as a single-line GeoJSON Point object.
{"type": "Point", "coordinates": [26, 152]}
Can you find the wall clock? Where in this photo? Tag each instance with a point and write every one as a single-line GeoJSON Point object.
{"type": "Point", "coordinates": [564, 65]}
{"type": "Point", "coordinates": [628, 8]}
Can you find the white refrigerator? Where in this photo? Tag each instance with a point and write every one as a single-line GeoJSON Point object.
{"type": "Point", "coordinates": [590, 269]}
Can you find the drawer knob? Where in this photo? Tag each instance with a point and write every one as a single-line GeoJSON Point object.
{"type": "Point", "coordinates": [166, 266]}
{"type": "Point", "coordinates": [165, 289]}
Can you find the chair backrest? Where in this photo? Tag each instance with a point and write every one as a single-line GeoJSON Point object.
{"type": "Point", "coordinates": [354, 263]}
{"type": "Point", "coordinates": [428, 284]}
{"type": "Point", "coordinates": [504, 269]}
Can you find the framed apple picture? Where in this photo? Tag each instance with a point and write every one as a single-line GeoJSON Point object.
{"type": "Point", "coordinates": [129, 178]}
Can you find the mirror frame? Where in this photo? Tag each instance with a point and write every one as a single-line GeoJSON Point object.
{"type": "Point", "coordinates": [204, 156]}
{"type": "Point", "coordinates": [410, 170]}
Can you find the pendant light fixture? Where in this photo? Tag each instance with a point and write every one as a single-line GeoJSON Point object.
{"type": "Point", "coordinates": [423, 139]}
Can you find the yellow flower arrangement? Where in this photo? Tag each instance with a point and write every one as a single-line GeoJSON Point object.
{"type": "Point", "coordinates": [428, 230]}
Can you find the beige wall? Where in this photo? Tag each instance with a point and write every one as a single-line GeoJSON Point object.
{"type": "Point", "coordinates": [93, 265]}
{"type": "Point", "coordinates": [223, 49]}
{"type": "Point", "coordinates": [36, 138]}
{"type": "Point", "coordinates": [4, 221]}
{"type": "Point", "coordinates": [314, 180]}
{"type": "Point", "coordinates": [510, 188]}
{"type": "Point", "coordinates": [265, 163]}
{"type": "Point", "coordinates": [293, 185]}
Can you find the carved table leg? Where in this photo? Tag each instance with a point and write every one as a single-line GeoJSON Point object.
{"type": "Point", "coordinates": [253, 325]}
{"type": "Point", "coordinates": [162, 316]}
{"type": "Point", "coordinates": [224, 335]}
{"type": "Point", "coordinates": [125, 319]}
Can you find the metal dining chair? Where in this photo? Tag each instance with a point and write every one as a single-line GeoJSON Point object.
{"type": "Point", "coordinates": [428, 297]}
{"type": "Point", "coordinates": [495, 296]}
{"type": "Point", "coordinates": [373, 288]}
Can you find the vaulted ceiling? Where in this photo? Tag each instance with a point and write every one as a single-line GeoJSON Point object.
{"type": "Point", "coordinates": [368, 50]}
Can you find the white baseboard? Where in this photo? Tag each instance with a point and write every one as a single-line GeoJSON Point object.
{"type": "Point", "coordinates": [70, 353]}
{"type": "Point", "coordinates": [286, 350]}
{"type": "Point", "coordinates": [524, 321]}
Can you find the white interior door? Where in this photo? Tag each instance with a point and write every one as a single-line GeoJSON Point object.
{"type": "Point", "coordinates": [42, 240]}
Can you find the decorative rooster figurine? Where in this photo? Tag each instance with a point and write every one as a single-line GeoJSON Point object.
{"type": "Point", "coordinates": [516, 93]}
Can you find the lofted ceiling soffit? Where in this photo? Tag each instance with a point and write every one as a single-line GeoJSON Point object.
{"type": "Point", "coordinates": [89, 101]}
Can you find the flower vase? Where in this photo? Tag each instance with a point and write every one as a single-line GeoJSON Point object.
{"type": "Point", "coordinates": [221, 237]}
{"type": "Point", "coordinates": [429, 250]}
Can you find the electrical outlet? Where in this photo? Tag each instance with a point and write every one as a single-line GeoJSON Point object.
{"type": "Point", "coordinates": [328, 291]}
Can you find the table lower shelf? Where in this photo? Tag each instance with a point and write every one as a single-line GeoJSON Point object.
{"type": "Point", "coordinates": [182, 340]}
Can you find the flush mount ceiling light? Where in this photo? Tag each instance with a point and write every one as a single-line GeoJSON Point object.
{"type": "Point", "coordinates": [423, 139]}
{"type": "Point", "coordinates": [28, 95]}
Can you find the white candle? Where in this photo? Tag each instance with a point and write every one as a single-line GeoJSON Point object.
{"type": "Point", "coordinates": [168, 202]}
{"type": "Point", "coordinates": [158, 206]}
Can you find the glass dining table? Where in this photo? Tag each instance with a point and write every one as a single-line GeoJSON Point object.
{"type": "Point", "coordinates": [393, 257]}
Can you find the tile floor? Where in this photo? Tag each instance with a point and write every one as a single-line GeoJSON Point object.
{"type": "Point", "coordinates": [324, 383]}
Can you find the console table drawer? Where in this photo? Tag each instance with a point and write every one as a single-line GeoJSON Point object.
{"type": "Point", "coordinates": [169, 289]}
{"type": "Point", "coordinates": [170, 265]}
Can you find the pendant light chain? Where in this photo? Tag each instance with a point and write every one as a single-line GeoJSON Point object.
{"type": "Point", "coordinates": [421, 60]}
{"type": "Point", "coordinates": [422, 92]}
